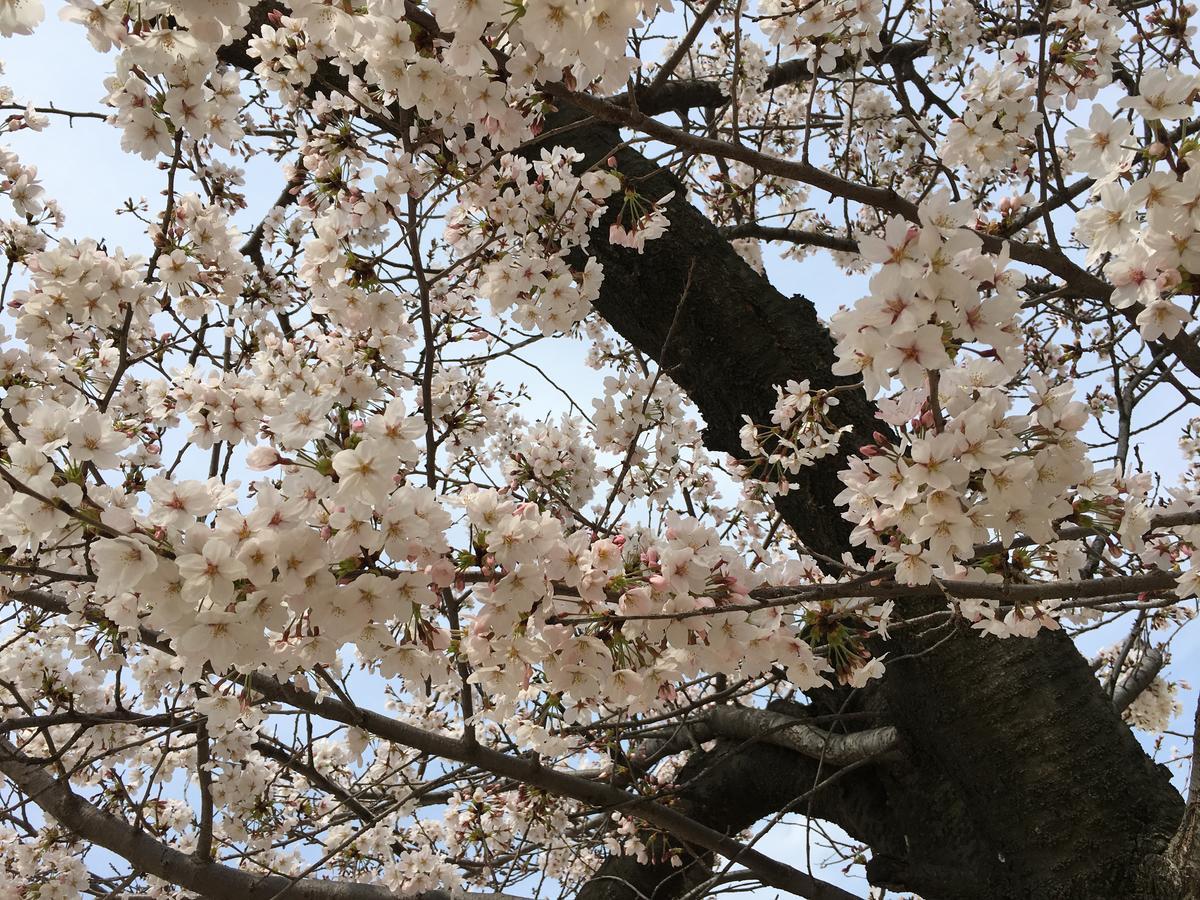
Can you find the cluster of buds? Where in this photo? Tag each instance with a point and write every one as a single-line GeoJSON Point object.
{"type": "Point", "coordinates": [801, 433]}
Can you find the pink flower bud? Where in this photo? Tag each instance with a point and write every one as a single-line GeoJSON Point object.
{"type": "Point", "coordinates": [442, 573]}
{"type": "Point", "coordinates": [262, 458]}
{"type": "Point", "coordinates": [1168, 279]}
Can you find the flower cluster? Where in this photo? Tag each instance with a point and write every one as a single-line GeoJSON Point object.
{"type": "Point", "coordinates": [823, 31]}
{"type": "Point", "coordinates": [802, 433]}
{"type": "Point", "coordinates": [1143, 227]}
{"type": "Point", "coordinates": [996, 129]}
{"type": "Point", "coordinates": [540, 581]}
{"type": "Point", "coordinates": [963, 465]}
{"type": "Point", "coordinates": [531, 215]}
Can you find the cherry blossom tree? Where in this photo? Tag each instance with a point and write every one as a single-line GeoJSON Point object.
{"type": "Point", "coordinates": [326, 573]}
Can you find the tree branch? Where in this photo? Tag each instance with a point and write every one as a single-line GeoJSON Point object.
{"type": "Point", "coordinates": [532, 772]}
{"type": "Point", "coordinates": [748, 724]}
{"type": "Point", "coordinates": [1147, 669]}
{"type": "Point", "coordinates": [209, 879]}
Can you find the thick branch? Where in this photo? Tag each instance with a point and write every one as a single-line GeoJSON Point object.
{"type": "Point", "coordinates": [208, 879]}
{"type": "Point", "coordinates": [746, 724]}
{"type": "Point", "coordinates": [791, 235]}
{"type": "Point", "coordinates": [1139, 679]}
{"type": "Point", "coordinates": [693, 93]}
{"type": "Point", "coordinates": [750, 724]}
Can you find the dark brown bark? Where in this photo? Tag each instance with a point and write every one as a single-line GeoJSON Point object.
{"type": "Point", "coordinates": [735, 338]}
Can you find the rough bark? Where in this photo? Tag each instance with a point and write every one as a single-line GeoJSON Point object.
{"type": "Point", "coordinates": [735, 337]}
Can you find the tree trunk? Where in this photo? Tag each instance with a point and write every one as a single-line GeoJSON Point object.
{"type": "Point", "coordinates": [1019, 780]}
